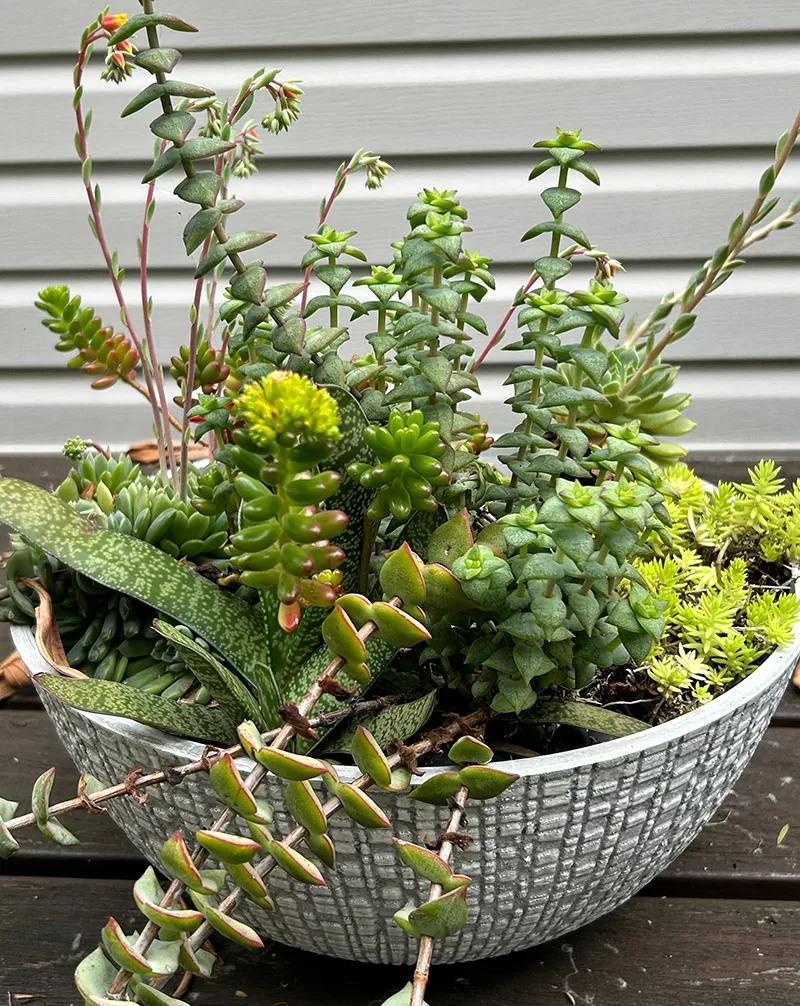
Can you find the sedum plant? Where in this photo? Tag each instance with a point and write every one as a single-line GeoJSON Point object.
{"type": "Point", "coordinates": [352, 571]}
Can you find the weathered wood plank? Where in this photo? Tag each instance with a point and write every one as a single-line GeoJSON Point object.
{"type": "Point", "coordinates": [668, 952]}
{"type": "Point", "coordinates": [241, 25]}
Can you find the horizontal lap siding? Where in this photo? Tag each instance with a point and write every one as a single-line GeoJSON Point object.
{"type": "Point", "coordinates": [684, 98]}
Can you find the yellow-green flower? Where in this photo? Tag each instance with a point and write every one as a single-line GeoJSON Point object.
{"type": "Point", "coordinates": [284, 402]}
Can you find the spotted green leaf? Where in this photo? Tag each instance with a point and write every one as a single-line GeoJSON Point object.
{"type": "Point", "coordinates": [581, 714]}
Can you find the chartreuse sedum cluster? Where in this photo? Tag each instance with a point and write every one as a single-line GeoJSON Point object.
{"type": "Point", "coordinates": [350, 536]}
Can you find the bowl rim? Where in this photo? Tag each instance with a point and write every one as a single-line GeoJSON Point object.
{"type": "Point", "coordinates": [774, 668]}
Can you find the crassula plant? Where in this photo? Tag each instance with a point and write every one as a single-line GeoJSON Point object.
{"type": "Point", "coordinates": [360, 567]}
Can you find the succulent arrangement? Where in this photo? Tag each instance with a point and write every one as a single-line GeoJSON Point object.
{"type": "Point", "coordinates": [359, 558]}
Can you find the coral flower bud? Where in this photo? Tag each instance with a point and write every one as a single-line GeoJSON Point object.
{"type": "Point", "coordinates": [113, 21]}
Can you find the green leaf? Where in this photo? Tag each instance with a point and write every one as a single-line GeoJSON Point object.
{"type": "Point", "coordinates": [370, 759]}
{"type": "Point", "coordinates": [232, 696]}
{"type": "Point", "coordinates": [173, 126]}
{"type": "Point", "coordinates": [148, 893]}
{"type": "Point", "coordinates": [162, 164]}
{"type": "Point", "coordinates": [140, 570]}
{"type": "Point", "coordinates": [201, 188]}
{"type": "Point", "coordinates": [93, 695]}
{"type": "Point", "coordinates": [552, 269]}
{"type": "Point", "coordinates": [558, 200]}
{"type": "Point", "coordinates": [178, 862]}
{"type": "Point", "coordinates": [581, 714]}
{"type": "Point", "coordinates": [150, 996]}
{"type": "Point", "coordinates": [438, 790]}
{"type": "Point", "coordinates": [164, 89]}
{"type": "Point", "coordinates": [296, 864]}
{"type": "Point", "coordinates": [570, 231]}
{"type": "Point", "coordinates": [442, 298]}
{"type": "Point", "coordinates": [249, 285]}
{"type": "Point", "coordinates": [443, 917]}
{"type": "Point", "coordinates": [199, 227]}
{"type": "Point", "coordinates": [227, 782]}
{"type": "Point", "coordinates": [305, 807]}
{"type": "Point", "coordinates": [139, 21]}
{"type": "Point", "coordinates": [470, 751]}
{"type": "Point", "coordinates": [289, 337]}
{"type": "Point", "coordinates": [485, 783]}
{"type": "Point", "coordinates": [227, 925]}
{"type": "Point", "coordinates": [401, 576]}
{"type": "Point", "coordinates": [430, 866]}
{"type": "Point", "coordinates": [93, 976]}
{"type": "Point", "coordinates": [360, 808]}
{"type": "Point", "coordinates": [333, 276]}
{"type": "Point", "coordinates": [397, 627]}
{"type": "Point", "coordinates": [161, 60]}
{"type": "Point", "coordinates": [50, 827]}
{"type": "Point", "coordinates": [227, 848]}
{"type": "Point", "coordinates": [402, 998]}
{"type": "Point", "coordinates": [395, 722]}
{"type": "Point", "coordinates": [161, 962]}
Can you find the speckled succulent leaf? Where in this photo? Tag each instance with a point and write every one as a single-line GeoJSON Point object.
{"type": "Point", "coordinates": [369, 757]}
{"type": "Point", "coordinates": [451, 540]}
{"type": "Point", "coordinates": [295, 864]}
{"type": "Point", "coordinates": [470, 751]}
{"type": "Point", "coordinates": [229, 785]}
{"type": "Point", "coordinates": [581, 714]}
{"type": "Point", "coordinates": [401, 576]}
{"type": "Point", "coordinates": [443, 917]}
{"type": "Point", "coordinates": [232, 696]}
{"type": "Point", "coordinates": [93, 976]}
{"type": "Point", "coordinates": [227, 848]}
{"type": "Point", "coordinates": [93, 695]}
{"type": "Point", "coordinates": [485, 783]}
{"type": "Point", "coordinates": [227, 925]}
{"type": "Point", "coordinates": [245, 876]}
{"type": "Point", "coordinates": [133, 567]}
{"type": "Point", "coordinates": [401, 998]}
{"type": "Point", "coordinates": [160, 961]}
{"type": "Point", "coordinates": [395, 722]}
{"type": "Point", "coordinates": [360, 807]}
{"type": "Point", "coordinates": [323, 848]}
{"type": "Point", "coordinates": [290, 766]}
{"type": "Point", "coordinates": [305, 807]}
{"type": "Point", "coordinates": [439, 789]}
{"type": "Point", "coordinates": [50, 827]}
{"type": "Point", "coordinates": [148, 893]}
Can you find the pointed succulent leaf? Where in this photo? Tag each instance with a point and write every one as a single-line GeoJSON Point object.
{"type": "Point", "coordinates": [470, 751]}
{"type": "Point", "coordinates": [93, 976]}
{"type": "Point", "coordinates": [196, 962]}
{"type": "Point", "coordinates": [341, 636]}
{"type": "Point", "coordinates": [226, 847]}
{"type": "Point", "coordinates": [164, 89]}
{"type": "Point", "coordinates": [177, 861]}
{"type": "Point", "coordinates": [290, 766]}
{"type": "Point", "coordinates": [451, 540]}
{"type": "Point", "coordinates": [401, 779]}
{"type": "Point", "coordinates": [402, 918]}
{"type": "Point", "coordinates": [227, 925]}
{"type": "Point", "coordinates": [199, 227]}
{"type": "Point", "coordinates": [173, 126]}
{"type": "Point", "coordinates": [249, 285]}
{"type": "Point", "coordinates": [148, 893]}
{"type": "Point", "coordinates": [246, 877]}
{"type": "Point", "coordinates": [122, 951]}
{"type": "Point", "coordinates": [323, 848]}
{"type": "Point", "coordinates": [369, 757]}
{"type": "Point", "coordinates": [443, 917]}
{"type": "Point", "coordinates": [201, 188]}
{"type": "Point", "coordinates": [250, 738]}
{"type": "Point", "coordinates": [8, 808]}
{"type": "Point", "coordinates": [589, 717]}
{"type": "Point", "coordinates": [361, 808]}
{"type": "Point", "coordinates": [439, 789]}
{"type": "Point", "coordinates": [357, 607]}
{"type": "Point", "coordinates": [424, 862]}
{"type": "Point", "coordinates": [401, 576]}
{"type": "Point", "coordinates": [161, 60]}
{"type": "Point", "coordinates": [305, 807]}
{"type": "Point", "coordinates": [147, 995]}
{"type": "Point", "coordinates": [485, 783]}
{"type": "Point", "coordinates": [50, 827]}
{"type": "Point", "coordinates": [560, 199]}
{"type": "Point", "coordinates": [229, 785]}
{"type": "Point", "coordinates": [443, 590]}
{"type": "Point", "coordinates": [295, 864]}
{"type": "Point", "coordinates": [396, 627]}
{"type": "Point", "coordinates": [232, 696]}
{"type": "Point", "coordinates": [261, 834]}
{"type": "Point", "coordinates": [139, 21]}
{"type": "Point", "coordinates": [552, 270]}
{"type": "Point", "coordinates": [570, 231]}
{"type": "Point", "coordinates": [8, 844]}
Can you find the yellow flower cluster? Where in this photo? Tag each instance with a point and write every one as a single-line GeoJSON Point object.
{"type": "Point", "coordinates": [284, 402]}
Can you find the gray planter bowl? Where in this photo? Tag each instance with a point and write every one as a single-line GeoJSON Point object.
{"type": "Point", "coordinates": [578, 835]}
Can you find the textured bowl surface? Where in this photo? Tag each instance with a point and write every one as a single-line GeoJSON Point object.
{"type": "Point", "coordinates": [577, 836]}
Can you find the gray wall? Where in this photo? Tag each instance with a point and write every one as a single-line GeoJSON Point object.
{"type": "Point", "coordinates": [686, 99]}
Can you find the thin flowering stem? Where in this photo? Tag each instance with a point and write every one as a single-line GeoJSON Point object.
{"type": "Point", "coordinates": [501, 328]}
{"type": "Point", "coordinates": [99, 231]}
{"type": "Point", "coordinates": [188, 385]}
{"type": "Point", "coordinates": [323, 216]}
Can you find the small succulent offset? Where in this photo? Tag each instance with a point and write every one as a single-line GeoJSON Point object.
{"type": "Point", "coordinates": [351, 572]}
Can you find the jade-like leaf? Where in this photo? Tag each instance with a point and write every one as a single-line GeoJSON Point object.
{"type": "Point", "coordinates": [226, 847]}
{"type": "Point", "coordinates": [122, 951]}
{"type": "Point", "coordinates": [197, 962]}
{"type": "Point", "coordinates": [229, 785]}
{"type": "Point", "coordinates": [401, 998]}
{"type": "Point", "coordinates": [439, 789]}
{"type": "Point", "coordinates": [149, 996]}
{"type": "Point", "coordinates": [177, 861]}
{"type": "Point", "coordinates": [552, 269]}
{"type": "Point", "coordinates": [560, 199]}
{"type": "Point", "coordinates": [443, 590]}
{"type": "Point", "coordinates": [173, 126]}
{"type": "Point", "coordinates": [290, 766]}
{"type": "Point", "coordinates": [323, 848]}
{"type": "Point", "coordinates": [93, 976]}
{"type": "Point", "coordinates": [369, 757]}
{"type": "Point", "coordinates": [199, 227]}
{"type": "Point", "coordinates": [361, 808]}
{"type": "Point", "coordinates": [261, 834]}
{"type": "Point", "coordinates": [470, 751]}
{"type": "Point", "coordinates": [341, 636]}
{"type": "Point", "coordinates": [232, 696]}
{"type": "Point", "coordinates": [305, 807]}
{"type": "Point", "coordinates": [164, 89]}
{"type": "Point", "coordinates": [451, 540]}
{"type": "Point", "coordinates": [396, 627]}
{"type": "Point", "coordinates": [401, 576]}
{"type": "Point", "coordinates": [94, 695]}
{"type": "Point", "coordinates": [246, 877]}
{"type": "Point", "coordinates": [161, 60]}
{"type": "Point", "coordinates": [201, 188]}
{"type": "Point", "coordinates": [147, 893]}
{"type": "Point", "coordinates": [249, 285]}
{"type": "Point", "coordinates": [133, 567]}
{"type": "Point", "coordinates": [485, 783]}
{"type": "Point", "coordinates": [357, 607]}
{"type": "Point", "coordinates": [443, 917]}
{"type": "Point", "coordinates": [424, 862]}
{"type": "Point", "coordinates": [295, 864]}
{"type": "Point", "coordinates": [233, 929]}
{"type": "Point", "coordinates": [50, 827]}
{"type": "Point", "coordinates": [581, 714]}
